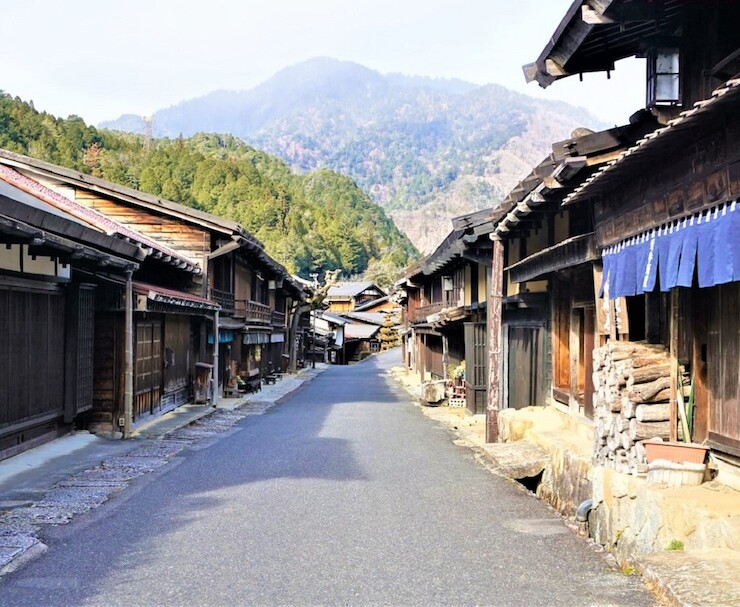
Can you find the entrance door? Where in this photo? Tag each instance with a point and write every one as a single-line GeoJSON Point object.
{"type": "Point", "coordinates": [526, 366]}
{"type": "Point", "coordinates": [476, 353]}
{"type": "Point", "coordinates": [148, 387]}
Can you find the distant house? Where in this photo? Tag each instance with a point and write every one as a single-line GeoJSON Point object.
{"type": "Point", "coordinates": [330, 329]}
{"type": "Point", "coordinates": [346, 296]}
{"type": "Point", "coordinates": [361, 336]}
{"type": "Point", "coordinates": [382, 304]}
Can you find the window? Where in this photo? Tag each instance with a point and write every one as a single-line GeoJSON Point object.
{"type": "Point", "coordinates": [663, 77]}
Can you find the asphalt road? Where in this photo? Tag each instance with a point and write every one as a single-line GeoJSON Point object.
{"type": "Point", "coordinates": [343, 495]}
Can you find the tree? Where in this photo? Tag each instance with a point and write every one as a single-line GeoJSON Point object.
{"type": "Point", "coordinates": [313, 303]}
{"type": "Point", "coordinates": [388, 334]}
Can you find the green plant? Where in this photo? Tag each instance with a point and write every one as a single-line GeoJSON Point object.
{"type": "Point", "coordinates": [675, 545]}
{"type": "Point", "coordinates": [627, 569]}
{"type": "Point", "coordinates": [690, 408]}
{"type": "Point", "coordinates": [682, 414]}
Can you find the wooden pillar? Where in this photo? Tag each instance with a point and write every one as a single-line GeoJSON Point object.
{"type": "Point", "coordinates": [588, 361]}
{"type": "Point", "coordinates": [445, 355]}
{"type": "Point", "coordinates": [574, 352]}
{"type": "Point", "coordinates": [495, 383]}
{"type": "Point", "coordinates": [128, 357]}
{"type": "Point", "coordinates": [216, 393]}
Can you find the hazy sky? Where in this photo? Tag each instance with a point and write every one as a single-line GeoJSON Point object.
{"type": "Point", "coordinates": [102, 58]}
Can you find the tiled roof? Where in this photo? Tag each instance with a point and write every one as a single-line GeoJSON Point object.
{"type": "Point", "coordinates": [87, 215]}
{"type": "Point", "coordinates": [171, 295]}
{"type": "Point", "coordinates": [724, 98]}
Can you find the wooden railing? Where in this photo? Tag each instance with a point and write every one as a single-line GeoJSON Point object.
{"type": "Point", "coordinates": [278, 319]}
{"type": "Point", "coordinates": [225, 299]}
{"type": "Point", "coordinates": [252, 311]}
{"type": "Point", "coordinates": [421, 313]}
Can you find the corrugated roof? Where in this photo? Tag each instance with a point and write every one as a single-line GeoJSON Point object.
{"type": "Point", "coordinates": [376, 318]}
{"type": "Point", "coordinates": [334, 318]}
{"type": "Point", "coordinates": [360, 331]}
{"type": "Point", "coordinates": [350, 289]}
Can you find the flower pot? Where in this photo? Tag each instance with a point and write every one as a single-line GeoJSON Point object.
{"type": "Point", "coordinates": [675, 452]}
{"type": "Point", "coordinates": [675, 474]}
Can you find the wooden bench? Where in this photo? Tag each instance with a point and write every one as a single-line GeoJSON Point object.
{"type": "Point", "coordinates": [253, 384]}
{"type": "Point", "coordinates": [231, 392]}
{"type": "Point", "coordinates": [270, 378]}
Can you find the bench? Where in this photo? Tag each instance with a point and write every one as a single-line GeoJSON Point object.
{"type": "Point", "coordinates": [269, 378]}
{"type": "Point", "coordinates": [231, 392]}
{"type": "Point", "coordinates": [253, 384]}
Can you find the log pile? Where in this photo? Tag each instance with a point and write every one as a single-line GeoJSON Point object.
{"type": "Point", "coordinates": [631, 402]}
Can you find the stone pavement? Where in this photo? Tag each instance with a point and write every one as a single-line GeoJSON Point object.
{"type": "Point", "coordinates": [688, 578]}
{"type": "Point", "coordinates": [52, 484]}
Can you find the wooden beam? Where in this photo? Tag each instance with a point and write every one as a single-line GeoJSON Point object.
{"type": "Point", "coordinates": [554, 68]}
{"type": "Point", "coordinates": [594, 17]}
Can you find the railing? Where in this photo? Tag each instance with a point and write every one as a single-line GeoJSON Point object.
{"type": "Point", "coordinates": [278, 319]}
{"type": "Point", "coordinates": [421, 314]}
{"type": "Point", "coordinates": [225, 299]}
{"type": "Point", "coordinates": [252, 311]}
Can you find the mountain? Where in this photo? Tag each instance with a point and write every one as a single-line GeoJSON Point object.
{"type": "Point", "coordinates": [425, 149]}
{"type": "Point", "coordinates": [310, 222]}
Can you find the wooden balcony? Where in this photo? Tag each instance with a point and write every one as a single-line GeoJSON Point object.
{"type": "Point", "coordinates": [225, 299]}
{"type": "Point", "coordinates": [421, 313]}
{"type": "Point", "coordinates": [278, 319]}
{"type": "Point", "coordinates": [252, 311]}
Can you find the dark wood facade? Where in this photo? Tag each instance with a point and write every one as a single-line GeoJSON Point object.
{"type": "Point", "coordinates": [444, 310]}
{"type": "Point", "coordinates": [662, 211]}
{"type": "Point", "coordinates": [188, 260]}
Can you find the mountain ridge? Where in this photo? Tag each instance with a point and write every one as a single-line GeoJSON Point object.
{"type": "Point", "coordinates": [425, 149]}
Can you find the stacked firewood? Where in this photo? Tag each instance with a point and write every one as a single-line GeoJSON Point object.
{"type": "Point", "coordinates": [631, 402]}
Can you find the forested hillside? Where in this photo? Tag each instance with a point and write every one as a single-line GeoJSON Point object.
{"type": "Point", "coordinates": [311, 222]}
{"type": "Point", "coordinates": [425, 149]}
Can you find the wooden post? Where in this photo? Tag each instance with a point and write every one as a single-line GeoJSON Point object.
{"type": "Point", "coordinates": [588, 361]}
{"type": "Point", "coordinates": [128, 357]}
{"type": "Point", "coordinates": [674, 365]}
{"type": "Point", "coordinates": [494, 341]}
{"type": "Point", "coordinates": [216, 393]}
{"type": "Point", "coordinates": [445, 356]}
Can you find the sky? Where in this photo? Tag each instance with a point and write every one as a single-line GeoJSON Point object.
{"type": "Point", "coordinates": [99, 59]}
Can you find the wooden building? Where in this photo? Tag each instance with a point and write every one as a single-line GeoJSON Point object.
{"type": "Point", "coordinates": [444, 300]}
{"type": "Point", "coordinates": [663, 214]}
{"type": "Point", "coordinates": [61, 269]}
{"type": "Point", "coordinates": [221, 288]}
{"type": "Point", "coordinates": [549, 320]}
{"type": "Point", "coordinates": [348, 295]}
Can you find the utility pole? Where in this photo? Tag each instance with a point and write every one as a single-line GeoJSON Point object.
{"type": "Point", "coordinates": [315, 277]}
